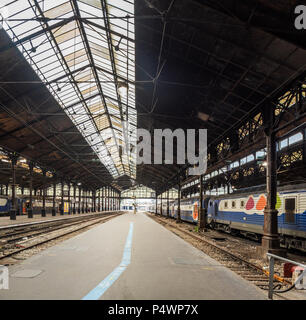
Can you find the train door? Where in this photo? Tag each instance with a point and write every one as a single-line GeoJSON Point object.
{"type": "Point", "coordinates": [215, 208]}
{"type": "Point", "coordinates": [290, 210]}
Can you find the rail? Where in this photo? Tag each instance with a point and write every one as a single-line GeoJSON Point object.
{"type": "Point", "coordinates": [296, 283]}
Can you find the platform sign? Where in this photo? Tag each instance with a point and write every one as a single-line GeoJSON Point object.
{"type": "Point", "coordinates": [4, 278]}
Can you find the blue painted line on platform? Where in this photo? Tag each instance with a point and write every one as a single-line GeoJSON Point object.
{"type": "Point", "coordinates": [102, 287]}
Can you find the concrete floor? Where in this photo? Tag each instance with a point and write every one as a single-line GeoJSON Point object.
{"type": "Point", "coordinates": [163, 266]}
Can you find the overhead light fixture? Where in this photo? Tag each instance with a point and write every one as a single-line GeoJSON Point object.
{"type": "Point", "coordinates": [204, 116]}
{"type": "Point", "coordinates": [122, 89]}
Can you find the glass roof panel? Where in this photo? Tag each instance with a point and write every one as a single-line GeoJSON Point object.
{"type": "Point", "coordinates": [77, 61]}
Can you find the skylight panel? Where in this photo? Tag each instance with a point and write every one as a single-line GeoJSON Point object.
{"type": "Point", "coordinates": [80, 67]}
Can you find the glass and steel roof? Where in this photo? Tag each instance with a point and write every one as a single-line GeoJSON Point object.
{"type": "Point", "coordinates": [84, 51]}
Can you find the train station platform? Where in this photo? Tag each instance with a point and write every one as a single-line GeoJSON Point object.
{"type": "Point", "coordinates": [129, 257]}
{"type": "Point", "coordinates": [23, 219]}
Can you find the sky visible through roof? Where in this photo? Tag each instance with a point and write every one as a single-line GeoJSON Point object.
{"type": "Point", "coordinates": [84, 51]}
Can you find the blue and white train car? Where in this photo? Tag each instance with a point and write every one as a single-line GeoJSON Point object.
{"type": "Point", "coordinates": [5, 205]}
{"type": "Point", "coordinates": [189, 209]}
{"type": "Point", "coordinates": [244, 213]}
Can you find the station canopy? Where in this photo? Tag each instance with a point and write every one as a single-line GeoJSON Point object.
{"type": "Point", "coordinates": [84, 52]}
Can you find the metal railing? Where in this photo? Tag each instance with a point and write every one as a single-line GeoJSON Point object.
{"type": "Point", "coordinates": [296, 284]}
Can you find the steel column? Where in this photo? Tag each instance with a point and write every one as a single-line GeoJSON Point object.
{"type": "Point", "coordinates": [86, 201]}
{"type": "Point", "coordinates": [270, 239]}
{"type": "Point", "coordinates": [102, 200]}
{"type": "Point", "coordinates": [99, 200]}
{"type": "Point", "coordinates": [168, 209]}
{"type": "Point", "coordinates": [74, 197]}
{"type": "Point", "coordinates": [94, 200]}
{"type": "Point", "coordinates": [202, 209]}
{"type": "Point", "coordinates": [83, 201]}
{"type": "Point", "coordinates": [13, 207]}
{"type": "Point", "coordinates": [80, 201]}
{"type": "Point", "coordinates": [108, 194]}
{"type": "Point", "coordinates": [161, 204]}
{"type": "Point", "coordinates": [30, 207]}
{"type": "Point", "coordinates": [54, 198]}
{"type": "Point", "coordinates": [43, 210]}
{"type": "Point", "coordinates": [179, 202]}
{"type": "Point", "coordinates": [69, 204]}
{"type": "Point", "coordinates": [62, 198]}
{"type": "Point", "coordinates": [155, 202]}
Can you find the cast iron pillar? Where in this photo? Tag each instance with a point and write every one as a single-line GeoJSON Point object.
{"type": "Point", "coordinates": [43, 210]}
{"type": "Point", "coordinates": [53, 199]}
{"type": "Point", "coordinates": [94, 200]}
{"type": "Point", "coordinates": [168, 209]}
{"type": "Point", "coordinates": [79, 206]}
{"type": "Point", "coordinates": [69, 204]}
{"type": "Point", "coordinates": [179, 202]}
{"type": "Point", "coordinates": [270, 239]}
{"type": "Point", "coordinates": [86, 202]}
{"type": "Point", "coordinates": [30, 207]}
{"type": "Point", "coordinates": [74, 199]}
{"type": "Point", "coordinates": [83, 201]}
{"type": "Point", "coordinates": [108, 198]}
{"type": "Point", "coordinates": [161, 204]}
{"type": "Point", "coordinates": [62, 198]}
{"type": "Point", "coordinates": [99, 200]}
{"type": "Point", "coordinates": [13, 208]}
{"type": "Point", "coordinates": [156, 202]}
{"type": "Point", "coordinates": [113, 199]}
{"type": "Point", "coordinates": [202, 210]}
{"type": "Point", "coordinates": [102, 199]}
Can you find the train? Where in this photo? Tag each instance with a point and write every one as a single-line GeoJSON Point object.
{"type": "Point", "coordinates": [242, 212]}
{"type": "Point", "coordinates": [22, 204]}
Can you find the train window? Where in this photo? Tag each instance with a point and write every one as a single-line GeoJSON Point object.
{"type": "Point", "coordinates": [242, 204]}
{"type": "Point", "coordinates": [290, 210]}
{"type": "Point", "coordinates": [225, 204]}
{"type": "Point", "coordinates": [233, 204]}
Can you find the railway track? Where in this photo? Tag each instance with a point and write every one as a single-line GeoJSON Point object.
{"type": "Point", "coordinates": [247, 270]}
{"type": "Point", "coordinates": [13, 242]}
{"type": "Point", "coordinates": [11, 234]}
